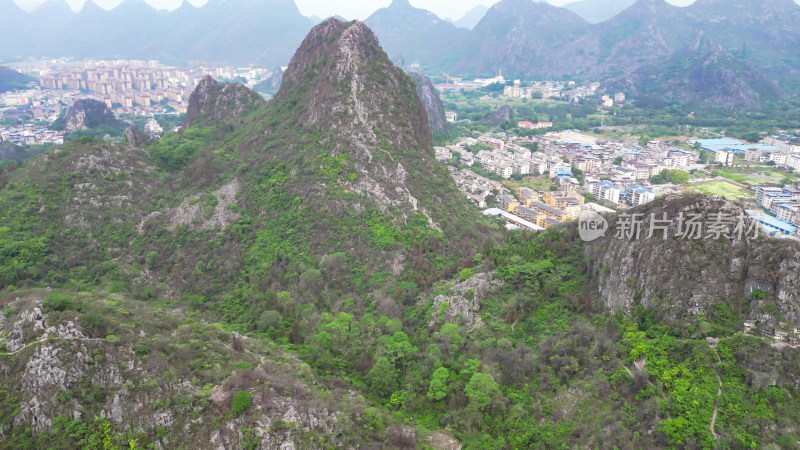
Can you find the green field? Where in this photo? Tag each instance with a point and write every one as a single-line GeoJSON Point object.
{"type": "Point", "coordinates": [541, 183]}
{"type": "Point", "coordinates": [756, 175]}
{"type": "Point", "coordinates": [723, 189]}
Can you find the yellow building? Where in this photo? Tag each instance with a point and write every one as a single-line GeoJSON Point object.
{"type": "Point", "coordinates": [547, 222]}
{"type": "Point", "coordinates": [562, 199]}
{"type": "Point", "coordinates": [549, 211]}
{"type": "Point", "coordinates": [528, 214]}
{"type": "Point", "coordinates": [507, 202]}
{"type": "Point", "coordinates": [527, 196]}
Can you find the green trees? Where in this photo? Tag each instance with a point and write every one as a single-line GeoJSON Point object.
{"type": "Point", "coordinates": [671, 176]}
{"type": "Point", "coordinates": [58, 302]}
{"type": "Point", "coordinates": [382, 378]}
{"type": "Point", "coordinates": [400, 349]}
{"type": "Point", "coordinates": [240, 403]}
{"type": "Point", "coordinates": [481, 390]}
{"type": "Point", "coordinates": [268, 319]}
{"type": "Point", "coordinates": [438, 388]}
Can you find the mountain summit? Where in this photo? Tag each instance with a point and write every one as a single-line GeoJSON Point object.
{"type": "Point", "coordinates": [367, 111]}
{"type": "Point", "coordinates": [415, 34]}
{"type": "Point", "coordinates": [215, 102]}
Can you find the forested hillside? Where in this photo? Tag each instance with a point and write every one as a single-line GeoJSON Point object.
{"type": "Point", "coordinates": [302, 273]}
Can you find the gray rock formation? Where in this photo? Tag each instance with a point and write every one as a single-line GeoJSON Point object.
{"type": "Point", "coordinates": [87, 113]}
{"type": "Point", "coordinates": [691, 278]}
{"type": "Point", "coordinates": [211, 101]}
{"type": "Point", "coordinates": [134, 137]}
{"type": "Point", "coordinates": [430, 99]}
{"type": "Point", "coordinates": [463, 300]}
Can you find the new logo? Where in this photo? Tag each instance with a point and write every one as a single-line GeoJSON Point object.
{"type": "Point", "coordinates": [591, 226]}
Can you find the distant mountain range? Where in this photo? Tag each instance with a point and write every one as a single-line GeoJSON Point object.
{"type": "Point", "coordinates": [429, 39]}
{"type": "Point", "coordinates": [748, 51]}
{"type": "Point", "coordinates": [229, 31]}
{"type": "Point", "coordinates": [733, 54]}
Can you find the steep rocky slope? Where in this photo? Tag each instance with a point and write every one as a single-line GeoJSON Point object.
{"type": "Point", "coordinates": [524, 38]}
{"type": "Point", "coordinates": [703, 74]}
{"type": "Point", "coordinates": [767, 33]}
{"type": "Point", "coordinates": [649, 47]}
{"type": "Point", "coordinates": [429, 97]}
{"type": "Point", "coordinates": [213, 102]}
{"type": "Point", "coordinates": [155, 376]}
{"type": "Point", "coordinates": [85, 114]}
{"type": "Point", "coordinates": [686, 279]}
{"type": "Point", "coordinates": [363, 290]}
{"type": "Point", "coordinates": [256, 214]}
{"type": "Point", "coordinates": [366, 112]}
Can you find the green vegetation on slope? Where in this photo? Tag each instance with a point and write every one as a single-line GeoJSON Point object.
{"type": "Point", "coordinates": [420, 314]}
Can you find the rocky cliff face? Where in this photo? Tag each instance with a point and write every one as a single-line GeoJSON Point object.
{"type": "Point", "coordinates": [158, 376]}
{"type": "Point", "coordinates": [686, 279]}
{"type": "Point", "coordinates": [213, 102]}
{"type": "Point", "coordinates": [87, 113]}
{"type": "Point", "coordinates": [643, 49]}
{"type": "Point", "coordinates": [430, 99]}
{"type": "Point", "coordinates": [524, 37]}
{"type": "Point", "coordinates": [367, 110]}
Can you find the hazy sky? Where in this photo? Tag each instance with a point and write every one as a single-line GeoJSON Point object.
{"type": "Point", "coordinates": [350, 9]}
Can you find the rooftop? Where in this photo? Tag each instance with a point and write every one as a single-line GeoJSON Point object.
{"type": "Point", "coordinates": [715, 145]}
{"type": "Point", "coordinates": [508, 216]}
{"type": "Point", "coordinates": [772, 221]}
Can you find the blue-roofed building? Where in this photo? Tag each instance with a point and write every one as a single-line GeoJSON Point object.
{"type": "Point", "coordinates": [639, 195]}
{"type": "Point", "coordinates": [606, 190]}
{"type": "Point", "coordinates": [562, 173]}
{"type": "Point", "coordinates": [772, 225]}
{"type": "Point", "coordinates": [734, 145]}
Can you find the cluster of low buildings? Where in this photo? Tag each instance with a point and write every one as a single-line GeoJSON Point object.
{"type": "Point", "coordinates": [130, 87]}
{"type": "Point", "coordinates": [782, 150]}
{"type": "Point", "coordinates": [558, 90]}
{"type": "Point", "coordinates": [616, 172]}
{"type": "Point", "coordinates": [568, 91]}
{"type": "Point", "coordinates": [632, 195]}
{"type": "Point", "coordinates": [524, 124]}
{"type": "Point", "coordinates": [475, 187]}
{"type": "Point", "coordinates": [546, 208]}
{"type": "Point", "coordinates": [36, 104]}
{"type": "Point", "coordinates": [784, 205]}
{"type": "Point", "coordinates": [504, 156]}
{"type": "Point", "coordinates": [30, 134]}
